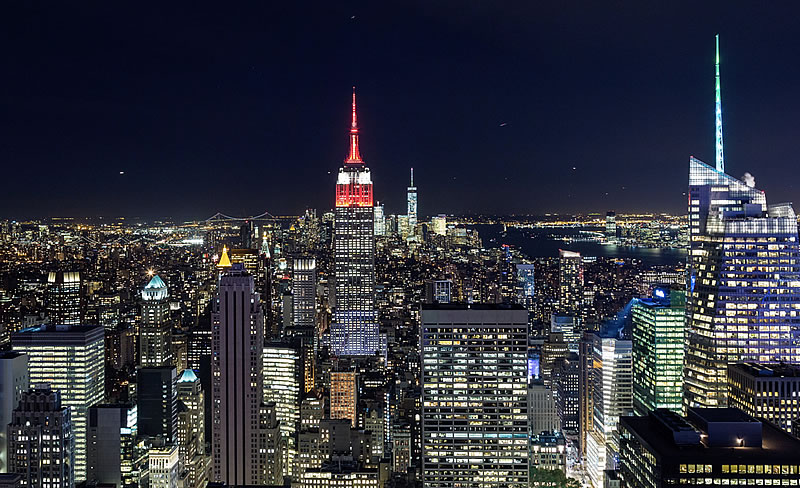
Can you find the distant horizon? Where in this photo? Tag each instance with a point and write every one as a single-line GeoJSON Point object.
{"type": "Point", "coordinates": [150, 220]}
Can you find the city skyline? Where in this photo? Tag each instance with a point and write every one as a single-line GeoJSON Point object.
{"type": "Point", "coordinates": [179, 107]}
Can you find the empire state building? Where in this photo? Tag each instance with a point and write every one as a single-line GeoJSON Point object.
{"type": "Point", "coordinates": [354, 331]}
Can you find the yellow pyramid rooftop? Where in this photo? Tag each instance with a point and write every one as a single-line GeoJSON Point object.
{"type": "Point", "coordinates": [224, 261]}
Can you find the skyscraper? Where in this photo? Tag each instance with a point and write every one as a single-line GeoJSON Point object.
{"type": "Point", "coordinates": [613, 398]}
{"type": "Point", "coordinates": [155, 332]}
{"type": "Point", "coordinates": [412, 205]}
{"type": "Point", "coordinates": [570, 282]}
{"type": "Point", "coordinates": [63, 297]}
{"type": "Point", "coordinates": [743, 294]}
{"type": "Point", "coordinates": [191, 429]}
{"type": "Point", "coordinates": [304, 297]}
{"type": "Point", "coordinates": [611, 226]}
{"type": "Point", "coordinates": [658, 350]}
{"type": "Point", "coordinates": [157, 397]}
{"type": "Point", "coordinates": [13, 383]}
{"type": "Point", "coordinates": [70, 359]}
{"type": "Point", "coordinates": [768, 392]}
{"type": "Point", "coordinates": [344, 390]}
{"type": "Point", "coordinates": [41, 440]}
{"type": "Point", "coordinates": [354, 331]}
{"type": "Point", "coordinates": [380, 220]}
{"type": "Point", "coordinates": [474, 396]}
{"type": "Point", "coordinates": [282, 374]}
{"type": "Point", "coordinates": [112, 455]}
{"type": "Point", "coordinates": [525, 286]}
{"type": "Point", "coordinates": [237, 323]}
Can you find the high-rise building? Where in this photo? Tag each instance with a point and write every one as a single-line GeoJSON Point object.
{"type": "Point", "coordinates": [412, 205]}
{"type": "Point", "coordinates": [157, 398]}
{"type": "Point", "coordinates": [567, 326]}
{"type": "Point", "coordinates": [41, 440]}
{"type": "Point", "coordinates": [710, 446]}
{"type": "Point", "coordinates": [155, 332]}
{"type": "Point", "coordinates": [13, 383]}
{"type": "Point", "coordinates": [611, 226]}
{"type": "Point", "coordinates": [658, 350]}
{"type": "Point", "coordinates": [570, 282]}
{"type": "Point", "coordinates": [282, 375]}
{"type": "Point", "coordinates": [344, 390]}
{"type": "Point", "coordinates": [304, 297]}
{"type": "Point", "coordinates": [113, 455]}
{"type": "Point", "coordinates": [743, 255]}
{"type": "Point", "coordinates": [554, 349]}
{"type": "Point", "coordinates": [164, 466]}
{"type": "Point", "coordinates": [70, 359]}
{"type": "Point", "coordinates": [354, 331]}
{"type": "Point", "coordinates": [565, 385]}
{"type": "Point", "coordinates": [586, 389]}
{"type": "Point", "coordinates": [613, 398]}
{"type": "Point", "coordinates": [380, 219]}
{"type": "Point", "coordinates": [237, 323]}
{"type": "Point", "coordinates": [269, 446]}
{"type": "Point", "coordinates": [769, 392]}
{"type": "Point", "coordinates": [439, 224]}
{"type": "Point", "coordinates": [191, 429]}
{"type": "Point", "coordinates": [525, 286]}
{"type": "Point", "coordinates": [63, 297]}
{"type": "Point", "coordinates": [542, 409]}
{"type": "Point", "coordinates": [468, 348]}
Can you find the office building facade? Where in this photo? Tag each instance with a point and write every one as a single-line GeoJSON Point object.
{"type": "Point", "coordinates": [613, 398]}
{"type": "Point", "coordinates": [658, 351]}
{"type": "Point", "coordinates": [41, 440]}
{"type": "Point", "coordinates": [14, 381]}
{"type": "Point", "coordinates": [63, 297]}
{"type": "Point", "coordinates": [769, 392]}
{"type": "Point", "coordinates": [70, 359]}
{"type": "Point", "coordinates": [474, 396]}
{"type": "Point", "coordinates": [157, 399]}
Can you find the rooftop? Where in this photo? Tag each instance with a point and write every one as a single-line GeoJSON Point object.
{"type": "Point", "coordinates": [768, 370]}
{"type": "Point", "coordinates": [472, 306]}
{"type": "Point", "coordinates": [719, 430]}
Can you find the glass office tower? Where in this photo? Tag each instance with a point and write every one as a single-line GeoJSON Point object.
{"type": "Point", "coordinates": [658, 342]}
{"type": "Point", "coordinates": [743, 295]}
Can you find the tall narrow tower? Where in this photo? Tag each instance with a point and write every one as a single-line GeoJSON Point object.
{"type": "Point", "coordinates": [354, 331]}
{"type": "Point", "coordinates": [155, 332]}
{"type": "Point", "coordinates": [718, 120]}
{"type": "Point", "coordinates": [237, 323]}
{"type": "Point", "coordinates": [412, 205]}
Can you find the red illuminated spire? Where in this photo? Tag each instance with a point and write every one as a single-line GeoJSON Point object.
{"type": "Point", "coordinates": [355, 156]}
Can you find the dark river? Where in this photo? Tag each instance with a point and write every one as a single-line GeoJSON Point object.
{"type": "Point", "coordinates": [541, 243]}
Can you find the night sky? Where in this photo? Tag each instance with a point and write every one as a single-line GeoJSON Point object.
{"type": "Point", "coordinates": [243, 107]}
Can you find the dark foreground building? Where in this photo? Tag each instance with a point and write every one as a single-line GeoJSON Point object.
{"type": "Point", "coordinates": [710, 446]}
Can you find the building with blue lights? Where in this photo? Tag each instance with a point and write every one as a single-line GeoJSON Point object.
{"type": "Point", "coordinates": [744, 282]}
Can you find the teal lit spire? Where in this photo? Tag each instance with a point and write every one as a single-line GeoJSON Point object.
{"type": "Point", "coordinates": [720, 156]}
